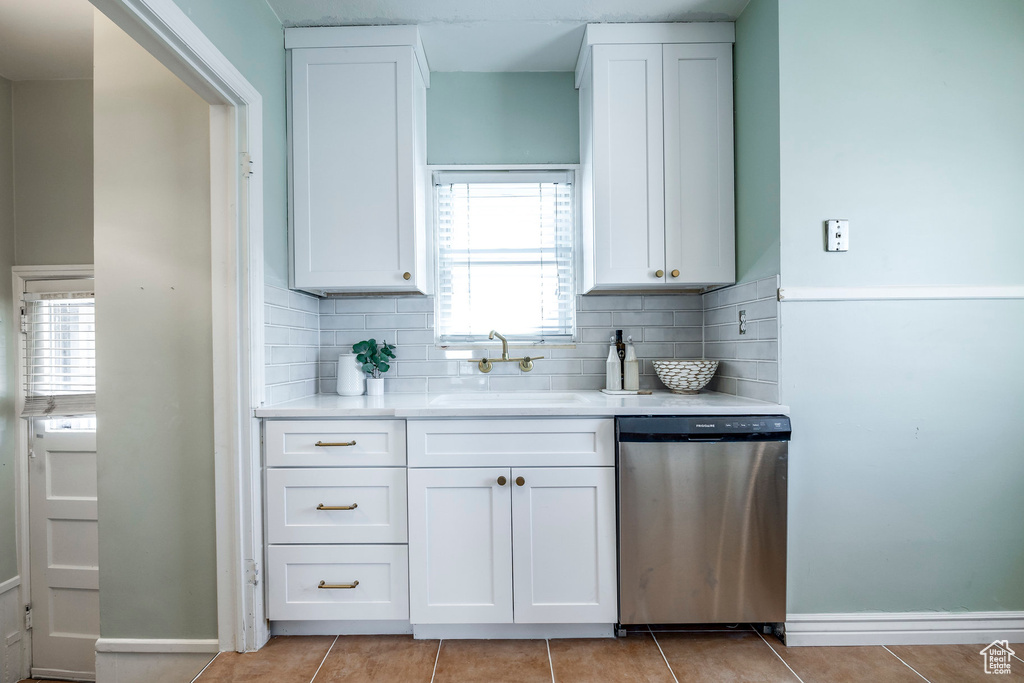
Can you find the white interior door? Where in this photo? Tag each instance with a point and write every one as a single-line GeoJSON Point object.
{"type": "Point", "coordinates": [563, 530]}
{"type": "Point", "coordinates": [63, 552]}
{"type": "Point", "coordinates": [460, 546]}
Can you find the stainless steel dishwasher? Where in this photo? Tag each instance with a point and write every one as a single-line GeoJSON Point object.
{"type": "Point", "coordinates": [702, 519]}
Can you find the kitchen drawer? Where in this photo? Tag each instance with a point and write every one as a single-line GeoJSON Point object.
{"type": "Point", "coordinates": [294, 574]}
{"type": "Point", "coordinates": [378, 496]}
{"type": "Point", "coordinates": [369, 443]}
{"type": "Point", "coordinates": [515, 443]}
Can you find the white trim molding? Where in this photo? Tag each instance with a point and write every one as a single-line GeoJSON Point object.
{"type": "Point", "coordinates": [10, 584]}
{"type": "Point", "coordinates": [901, 293]}
{"type": "Point", "coordinates": [163, 29]}
{"type": "Point", "coordinates": [158, 645]}
{"type": "Point", "coordinates": [154, 660]}
{"type": "Point", "coordinates": [903, 628]}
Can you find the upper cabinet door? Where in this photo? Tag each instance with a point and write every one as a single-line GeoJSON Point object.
{"type": "Point", "coordinates": [357, 148]}
{"type": "Point", "coordinates": [628, 147]}
{"type": "Point", "coordinates": [699, 207]}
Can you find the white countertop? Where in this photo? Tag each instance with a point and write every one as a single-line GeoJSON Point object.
{"type": "Point", "coordinates": [519, 404]}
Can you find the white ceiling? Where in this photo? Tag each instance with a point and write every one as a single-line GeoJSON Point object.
{"type": "Point", "coordinates": [500, 35]}
{"type": "Point", "coordinates": [45, 39]}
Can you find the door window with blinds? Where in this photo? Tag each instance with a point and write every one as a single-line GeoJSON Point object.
{"type": "Point", "coordinates": [59, 333]}
{"type": "Point", "coordinates": [505, 255]}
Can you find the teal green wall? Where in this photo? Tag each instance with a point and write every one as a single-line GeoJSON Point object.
{"type": "Point", "coordinates": [251, 37]}
{"type": "Point", "coordinates": [502, 118]}
{"type": "Point", "coordinates": [756, 70]}
{"type": "Point", "coordinates": [8, 340]}
{"type": "Point", "coordinates": [908, 119]}
{"type": "Point", "coordinates": [907, 460]}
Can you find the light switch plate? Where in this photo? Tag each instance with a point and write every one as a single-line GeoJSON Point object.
{"type": "Point", "coordinates": [838, 234]}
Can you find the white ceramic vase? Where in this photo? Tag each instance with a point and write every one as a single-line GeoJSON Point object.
{"type": "Point", "coordinates": [374, 387]}
{"type": "Point", "coordinates": [351, 378]}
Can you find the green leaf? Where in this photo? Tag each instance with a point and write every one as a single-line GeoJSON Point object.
{"type": "Point", "coordinates": [372, 343]}
{"type": "Point", "coordinates": [383, 366]}
{"type": "Point", "coordinates": [359, 347]}
{"type": "Point", "coordinates": [368, 368]}
{"type": "Point", "coordinates": [361, 357]}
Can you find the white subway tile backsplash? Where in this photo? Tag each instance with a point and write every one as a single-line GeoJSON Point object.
{"type": "Point", "coordinates": [293, 339]}
{"type": "Point", "coordinates": [305, 336]}
{"type": "Point", "coordinates": [749, 362]}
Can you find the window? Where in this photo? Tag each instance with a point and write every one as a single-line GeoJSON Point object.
{"type": "Point", "coordinates": [505, 255]}
{"type": "Point", "coordinates": [60, 354]}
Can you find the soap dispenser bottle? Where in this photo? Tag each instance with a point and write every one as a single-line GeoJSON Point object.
{"type": "Point", "coordinates": [631, 368]}
{"type": "Point", "coordinates": [613, 369]}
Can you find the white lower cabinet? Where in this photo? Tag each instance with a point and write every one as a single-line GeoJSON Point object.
{"type": "Point", "coordinates": [460, 550]}
{"type": "Point", "coordinates": [479, 536]}
{"type": "Point", "coordinates": [563, 536]}
{"type": "Point", "coordinates": [338, 582]}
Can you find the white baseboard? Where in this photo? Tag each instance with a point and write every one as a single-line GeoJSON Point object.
{"type": "Point", "coordinates": [158, 645]}
{"type": "Point", "coordinates": [511, 631]}
{"type": "Point", "coordinates": [903, 628]}
{"type": "Point", "coordinates": [64, 675]}
{"type": "Point", "coordinates": [340, 628]}
{"type": "Point", "coordinates": [151, 667]}
{"type": "Point", "coordinates": [154, 660]}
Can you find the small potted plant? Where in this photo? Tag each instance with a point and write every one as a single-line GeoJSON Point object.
{"type": "Point", "coordinates": [375, 362]}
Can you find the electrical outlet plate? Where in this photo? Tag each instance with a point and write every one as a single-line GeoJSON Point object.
{"type": "Point", "coordinates": [838, 230]}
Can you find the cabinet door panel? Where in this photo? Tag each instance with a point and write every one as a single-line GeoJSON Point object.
{"type": "Point", "coordinates": [353, 167]}
{"type": "Point", "coordinates": [699, 205]}
{"type": "Point", "coordinates": [460, 550]}
{"type": "Point", "coordinates": [563, 528]}
{"type": "Point", "coordinates": [628, 173]}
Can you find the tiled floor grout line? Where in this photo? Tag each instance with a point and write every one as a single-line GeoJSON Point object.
{"type": "Point", "coordinates": [904, 663]}
{"type": "Point", "coordinates": [550, 663]}
{"type": "Point", "coordinates": [663, 654]}
{"type": "Point", "coordinates": [205, 668]}
{"type": "Point", "coordinates": [784, 662]}
{"type": "Point", "coordinates": [436, 657]}
{"type": "Point", "coordinates": [326, 655]}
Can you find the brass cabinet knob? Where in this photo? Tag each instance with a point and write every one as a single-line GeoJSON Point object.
{"type": "Point", "coordinates": [520, 481]}
{"type": "Point", "coordinates": [502, 481]}
{"type": "Point", "coordinates": [675, 273]}
{"type": "Point", "coordinates": [659, 273]}
{"type": "Point", "coordinates": [406, 276]}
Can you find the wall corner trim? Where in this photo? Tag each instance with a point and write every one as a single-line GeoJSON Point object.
{"type": "Point", "coordinates": [158, 645]}
{"type": "Point", "coordinates": [903, 628]}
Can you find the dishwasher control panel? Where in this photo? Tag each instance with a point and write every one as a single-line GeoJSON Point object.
{"type": "Point", "coordinates": [716, 427]}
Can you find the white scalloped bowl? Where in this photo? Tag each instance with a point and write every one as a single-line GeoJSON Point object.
{"type": "Point", "coordinates": [685, 376]}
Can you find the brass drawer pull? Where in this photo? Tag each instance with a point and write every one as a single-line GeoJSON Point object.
{"type": "Point", "coordinates": [520, 481]}
{"type": "Point", "coordinates": [659, 273]}
{"type": "Point", "coordinates": [324, 584]}
{"type": "Point", "coordinates": [502, 481]}
{"type": "Point", "coordinates": [675, 273]}
{"type": "Point", "coordinates": [335, 443]}
{"type": "Point", "coordinates": [406, 276]}
{"type": "Point", "coordinates": [353, 506]}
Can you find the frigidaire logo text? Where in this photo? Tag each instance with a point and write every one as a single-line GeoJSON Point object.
{"type": "Point", "coordinates": [704, 425]}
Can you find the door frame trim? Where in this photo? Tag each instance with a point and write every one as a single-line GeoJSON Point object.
{"type": "Point", "coordinates": [166, 32]}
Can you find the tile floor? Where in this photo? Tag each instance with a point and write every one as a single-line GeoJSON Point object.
{"type": "Point", "coordinates": [661, 657]}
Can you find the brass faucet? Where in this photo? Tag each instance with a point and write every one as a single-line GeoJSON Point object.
{"type": "Point", "coordinates": [487, 364]}
{"type": "Point", "coordinates": [504, 343]}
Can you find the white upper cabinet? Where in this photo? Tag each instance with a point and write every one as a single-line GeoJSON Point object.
{"type": "Point", "coordinates": [357, 104]}
{"type": "Point", "coordinates": [656, 138]}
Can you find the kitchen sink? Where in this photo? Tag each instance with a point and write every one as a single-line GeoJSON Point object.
{"type": "Point", "coordinates": [507, 398]}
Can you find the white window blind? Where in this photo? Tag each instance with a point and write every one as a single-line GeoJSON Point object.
{"type": "Point", "coordinates": [505, 255]}
{"type": "Point", "coordinates": [60, 353]}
